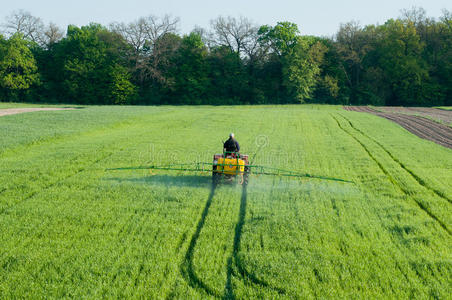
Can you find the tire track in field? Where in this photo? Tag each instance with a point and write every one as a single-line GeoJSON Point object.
{"type": "Point", "coordinates": [84, 168]}
{"type": "Point", "coordinates": [395, 182]}
{"type": "Point", "coordinates": [187, 270]}
{"type": "Point", "coordinates": [234, 259]}
{"type": "Point", "coordinates": [419, 180]}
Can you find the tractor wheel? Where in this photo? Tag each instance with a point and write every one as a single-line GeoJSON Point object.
{"type": "Point", "coordinates": [246, 176]}
{"type": "Point", "coordinates": [215, 176]}
{"type": "Point", "coordinates": [245, 179]}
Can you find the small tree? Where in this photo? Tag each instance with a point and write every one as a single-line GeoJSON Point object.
{"type": "Point", "coordinates": [121, 90]}
{"type": "Point", "coordinates": [301, 68]}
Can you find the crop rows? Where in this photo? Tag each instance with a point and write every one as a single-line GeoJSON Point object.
{"type": "Point", "coordinates": [406, 191]}
{"type": "Point", "coordinates": [74, 224]}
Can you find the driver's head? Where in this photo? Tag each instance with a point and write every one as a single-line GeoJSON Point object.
{"type": "Point", "coordinates": [231, 135]}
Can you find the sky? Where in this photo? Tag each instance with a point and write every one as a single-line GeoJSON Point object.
{"type": "Point", "coordinates": [321, 18]}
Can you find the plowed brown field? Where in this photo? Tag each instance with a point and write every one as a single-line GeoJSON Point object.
{"type": "Point", "coordinates": [440, 115]}
{"type": "Point", "coordinates": [420, 126]}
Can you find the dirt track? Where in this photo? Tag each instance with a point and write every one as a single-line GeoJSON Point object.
{"type": "Point", "coordinates": [422, 127]}
{"type": "Point", "coordinates": [12, 111]}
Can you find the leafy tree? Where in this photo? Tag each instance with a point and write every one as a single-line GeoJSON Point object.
{"type": "Point", "coordinates": [302, 67]}
{"type": "Point", "coordinates": [399, 56]}
{"type": "Point", "coordinates": [18, 69]}
{"type": "Point", "coordinates": [281, 38]}
{"type": "Point", "coordinates": [437, 54]}
{"type": "Point", "coordinates": [353, 46]}
{"type": "Point", "coordinates": [300, 58]}
{"type": "Point", "coordinates": [91, 66]}
{"type": "Point", "coordinates": [190, 72]}
{"type": "Point", "coordinates": [120, 89]}
{"type": "Point", "coordinates": [228, 78]}
{"type": "Point", "coordinates": [407, 61]}
{"type": "Point", "coordinates": [331, 78]}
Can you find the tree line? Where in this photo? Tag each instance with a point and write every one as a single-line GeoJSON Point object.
{"type": "Point", "coordinates": [405, 61]}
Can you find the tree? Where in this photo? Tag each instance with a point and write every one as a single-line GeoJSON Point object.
{"type": "Point", "coordinates": [443, 70]}
{"type": "Point", "coordinates": [145, 36]}
{"type": "Point", "coordinates": [24, 23]}
{"type": "Point", "coordinates": [228, 77]}
{"type": "Point", "coordinates": [236, 34]}
{"type": "Point", "coordinates": [281, 38]}
{"type": "Point", "coordinates": [18, 70]}
{"type": "Point", "coordinates": [406, 61]}
{"type": "Point", "coordinates": [416, 15]}
{"type": "Point", "coordinates": [399, 56]}
{"type": "Point", "coordinates": [158, 79]}
{"type": "Point", "coordinates": [329, 88]}
{"type": "Point", "coordinates": [189, 72]}
{"type": "Point", "coordinates": [52, 34]}
{"type": "Point", "coordinates": [32, 28]}
{"type": "Point", "coordinates": [353, 45]}
{"type": "Point", "coordinates": [120, 89]}
{"type": "Point", "coordinates": [437, 54]}
{"type": "Point", "coordinates": [90, 66]}
{"type": "Point", "coordinates": [300, 59]}
{"type": "Point", "coordinates": [301, 67]}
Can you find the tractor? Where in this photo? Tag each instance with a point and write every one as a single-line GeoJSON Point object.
{"type": "Point", "coordinates": [230, 165]}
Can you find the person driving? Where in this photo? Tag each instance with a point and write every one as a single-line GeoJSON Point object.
{"type": "Point", "coordinates": [231, 145]}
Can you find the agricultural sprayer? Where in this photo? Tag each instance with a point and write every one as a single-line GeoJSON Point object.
{"type": "Point", "coordinates": [230, 167]}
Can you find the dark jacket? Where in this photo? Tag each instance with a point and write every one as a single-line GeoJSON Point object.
{"type": "Point", "coordinates": [231, 145]}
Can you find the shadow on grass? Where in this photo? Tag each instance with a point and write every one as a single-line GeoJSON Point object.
{"type": "Point", "coordinates": [187, 268]}
{"type": "Point", "coordinates": [167, 180]}
{"type": "Point", "coordinates": [235, 259]}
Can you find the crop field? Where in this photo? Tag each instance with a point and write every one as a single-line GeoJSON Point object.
{"type": "Point", "coordinates": [80, 216]}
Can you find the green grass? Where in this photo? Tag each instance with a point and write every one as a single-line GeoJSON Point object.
{"type": "Point", "coordinates": [445, 107]}
{"type": "Point", "coordinates": [72, 227]}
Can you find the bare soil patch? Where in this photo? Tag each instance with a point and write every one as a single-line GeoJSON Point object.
{"type": "Point", "coordinates": [13, 111]}
{"type": "Point", "coordinates": [440, 115]}
{"type": "Point", "coordinates": [420, 126]}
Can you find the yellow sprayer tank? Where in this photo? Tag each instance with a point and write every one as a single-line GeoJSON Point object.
{"type": "Point", "coordinates": [231, 166]}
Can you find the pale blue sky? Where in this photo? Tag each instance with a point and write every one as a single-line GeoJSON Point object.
{"type": "Point", "coordinates": [313, 17]}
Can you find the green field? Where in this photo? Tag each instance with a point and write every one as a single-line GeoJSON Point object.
{"type": "Point", "coordinates": [72, 227]}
